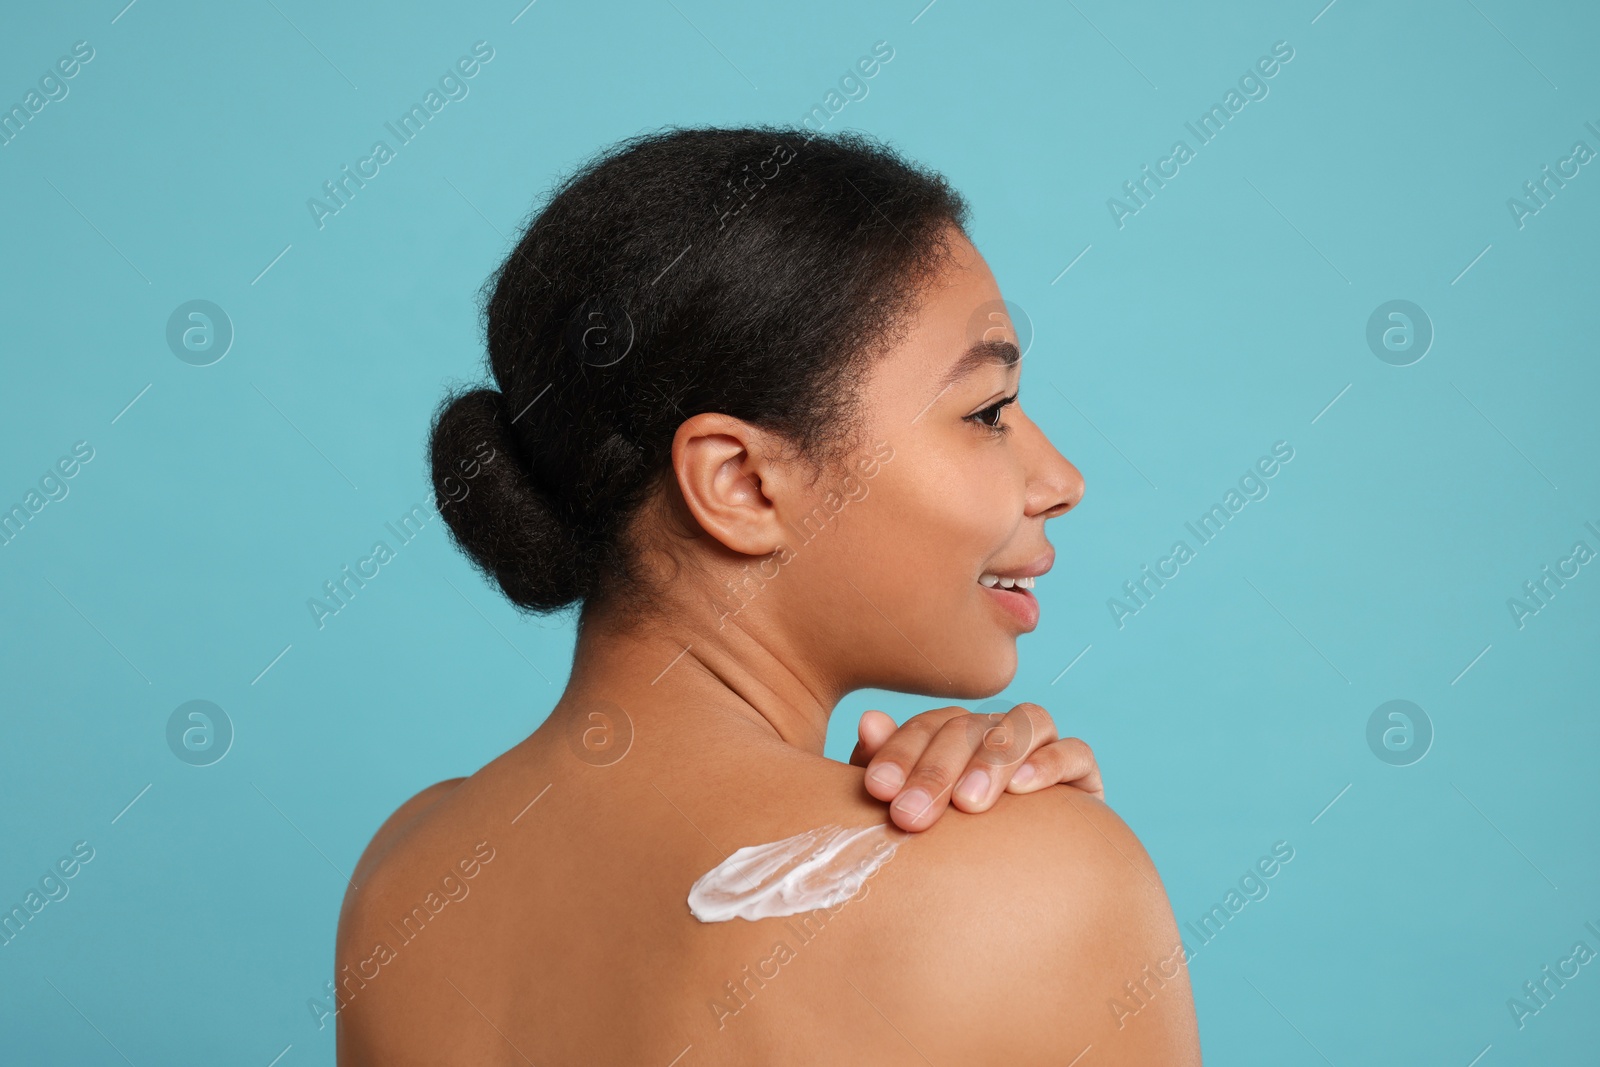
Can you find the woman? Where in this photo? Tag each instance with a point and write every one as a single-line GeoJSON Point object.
{"type": "Point", "coordinates": [756, 414]}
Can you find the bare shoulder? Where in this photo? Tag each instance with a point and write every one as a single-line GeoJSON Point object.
{"type": "Point", "coordinates": [391, 833]}
{"type": "Point", "coordinates": [372, 877]}
{"type": "Point", "coordinates": [384, 879]}
{"type": "Point", "coordinates": [1030, 932]}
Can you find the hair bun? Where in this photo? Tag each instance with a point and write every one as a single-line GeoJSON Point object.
{"type": "Point", "coordinates": [501, 519]}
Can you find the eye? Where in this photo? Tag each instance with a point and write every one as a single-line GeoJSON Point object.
{"type": "Point", "coordinates": [989, 417]}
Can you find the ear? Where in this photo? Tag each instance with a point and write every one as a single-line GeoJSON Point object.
{"type": "Point", "coordinates": [730, 476]}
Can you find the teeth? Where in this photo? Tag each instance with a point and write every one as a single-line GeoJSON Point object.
{"type": "Point", "coordinates": [989, 581]}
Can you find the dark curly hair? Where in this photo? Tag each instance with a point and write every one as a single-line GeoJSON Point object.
{"type": "Point", "coordinates": [748, 271]}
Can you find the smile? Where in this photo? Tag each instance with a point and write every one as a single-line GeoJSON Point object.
{"type": "Point", "coordinates": [1014, 595]}
{"type": "Point", "coordinates": [989, 581]}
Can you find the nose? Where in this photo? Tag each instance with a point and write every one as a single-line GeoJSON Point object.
{"type": "Point", "coordinates": [1055, 485]}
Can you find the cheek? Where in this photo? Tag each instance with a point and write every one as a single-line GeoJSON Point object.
{"type": "Point", "coordinates": [948, 519]}
{"type": "Point", "coordinates": [947, 524]}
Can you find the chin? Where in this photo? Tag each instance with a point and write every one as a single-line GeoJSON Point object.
{"type": "Point", "coordinates": [980, 677]}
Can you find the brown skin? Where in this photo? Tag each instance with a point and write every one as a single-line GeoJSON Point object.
{"type": "Point", "coordinates": [993, 939]}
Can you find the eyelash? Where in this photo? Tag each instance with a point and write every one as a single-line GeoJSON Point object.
{"type": "Point", "coordinates": [994, 409]}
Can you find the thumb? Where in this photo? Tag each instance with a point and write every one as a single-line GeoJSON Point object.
{"type": "Point", "coordinates": [875, 728]}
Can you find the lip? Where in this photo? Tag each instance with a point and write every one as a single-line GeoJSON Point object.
{"type": "Point", "coordinates": [1018, 603]}
{"type": "Point", "coordinates": [1039, 565]}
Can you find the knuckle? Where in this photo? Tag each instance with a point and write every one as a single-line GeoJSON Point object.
{"type": "Point", "coordinates": [1001, 729]}
{"type": "Point", "coordinates": [933, 777]}
{"type": "Point", "coordinates": [1075, 750]}
{"type": "Point", "coordinates": [901, 747]}
{"type": "Point", "coordinates": [968, 727]}
{"type": "Point", "coordinates": [1034, 711]}
{"type": "Point", "coordinates": [1000, 749]}
{"type": "Point", "coordinates": [1015, 733]}
{"type": "Point", "coordinates": [1005, 739]}
{"type": "Point", "coordinates": [1079, 745]}
{"type": "Point", "coordinates": [939, 716]}
{"type": "Point", "coordinates": [1040, 721]}
{"type": "Point", "coordinates": [994, 758]}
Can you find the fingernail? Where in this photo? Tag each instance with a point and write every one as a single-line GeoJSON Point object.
{"type": "Point", "coordinates": [889, 775]}
{"type": "Point", "coordinates": [1024, 775]}
{"type": "Point", "coordinates": [975, 786]}
{"type": "Point", "coordinates": [913, 803]}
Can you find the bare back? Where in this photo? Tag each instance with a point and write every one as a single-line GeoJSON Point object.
{"type": "Point", "coordinates": [570, 940]}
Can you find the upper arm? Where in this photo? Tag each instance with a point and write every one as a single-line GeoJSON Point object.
{"type": "Point", "coordinates": [361, 918]}
{"type": "Point", "coordinates": [1040, 933]}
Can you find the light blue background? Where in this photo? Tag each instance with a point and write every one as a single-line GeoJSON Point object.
{"type": "Point", "coordinates": [1224, 316]}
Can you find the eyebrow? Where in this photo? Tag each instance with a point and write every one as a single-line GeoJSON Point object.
{"type": "Point", "coordinates": [981, 354]}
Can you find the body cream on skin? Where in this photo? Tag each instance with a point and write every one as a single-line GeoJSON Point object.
{"type": "Point", "coordinates": [815, 869]}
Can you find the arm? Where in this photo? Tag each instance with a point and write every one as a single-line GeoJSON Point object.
{"type": "Point", "coordinates": [360, 925]}
{"type": "Point", "coordinates": [1032, 934]}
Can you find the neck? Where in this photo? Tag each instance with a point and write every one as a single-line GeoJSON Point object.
{"type": "Point", "coordinates": [699, 667]}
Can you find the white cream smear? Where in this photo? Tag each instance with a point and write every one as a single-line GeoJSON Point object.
{"type": "Point", "coordinates": [816, 869]}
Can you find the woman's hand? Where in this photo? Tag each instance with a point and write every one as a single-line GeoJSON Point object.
{"type": "Point", "coordinates": [953, 756]}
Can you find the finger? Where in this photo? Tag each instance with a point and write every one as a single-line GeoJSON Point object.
{"type": "Point", "coordinates": [1069, 761]}
{"type": "Point", "coordinates": [933, 778]}
{"type": "Point", "coordinates": [1024, 729]}
{"type": "Point", "coordinates": [1006, 742]}
{"type": "Point", "coordinates": [890, 766]}
{"type": "Point", "coordinates": [875, 728]}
